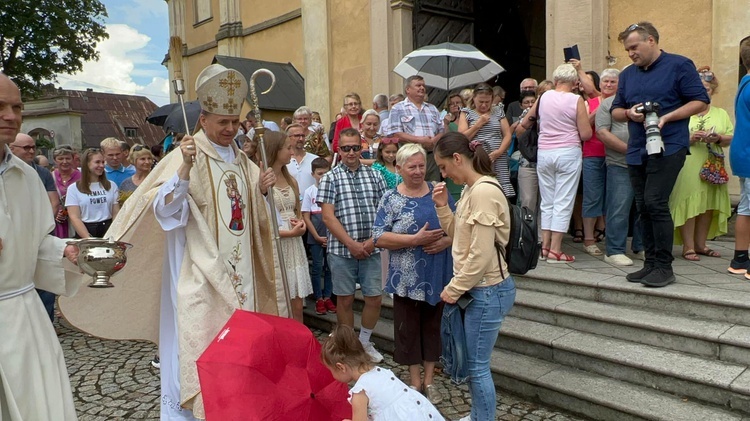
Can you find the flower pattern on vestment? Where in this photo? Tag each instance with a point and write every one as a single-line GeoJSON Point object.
{"type": "Point", "coordinates": [234, 276]}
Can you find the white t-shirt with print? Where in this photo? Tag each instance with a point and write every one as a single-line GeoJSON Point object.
{"type": "Point", "coordinates": [95, 207]}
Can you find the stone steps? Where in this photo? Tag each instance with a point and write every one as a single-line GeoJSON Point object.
{"type": "Point", "coordinates": [724, 341]}
{"type": "Point", "coordinates": [678, 299]}
{"type": "Point", "coordinates": [697, 378]}
{"type": "Point", "coordinates": [575, 390]}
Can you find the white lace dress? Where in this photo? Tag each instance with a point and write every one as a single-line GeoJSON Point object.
{"type": "Point", "coordinates": [392, 400]}
{"type": "Point", "coordinates": [295, 259]}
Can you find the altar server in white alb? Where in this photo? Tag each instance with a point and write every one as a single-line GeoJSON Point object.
{"type": "Point", "coordinates": [34, 382]}
{"type": "Point", "coordinates": [202, 247]}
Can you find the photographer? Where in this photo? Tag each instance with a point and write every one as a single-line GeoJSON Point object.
{"type": "Point", "coordinates": [665, 84]}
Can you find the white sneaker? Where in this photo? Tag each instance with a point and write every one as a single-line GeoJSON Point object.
{"type": "Point", "coordinates": [375, 356]}
{"type": "Point", "coordinates": [618, 260]}
{"type": "Point", "coordinates": [466, 418]}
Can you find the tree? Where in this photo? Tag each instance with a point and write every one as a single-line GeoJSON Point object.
{"type": "Point", "coordinates": [40, 39]}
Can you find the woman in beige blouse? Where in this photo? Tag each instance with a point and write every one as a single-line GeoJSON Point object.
{"type": "Point", "coordinates": [481, 218]}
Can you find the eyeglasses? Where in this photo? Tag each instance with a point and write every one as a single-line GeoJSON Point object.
{"type": "Point", "coordinates": [352, 104]}
{"type": "Point", "coordinates": [706, 75]}
{"type": "Point", "coordinates": [28, 148]}
{"type": "Point", "coordinates": [138, 148]}
{"type": "Point", "coordinates": [483, 89]}
{"type": "Point", "coordinates": [350, 148]}
{"type": "Point", "coordinates": [389, 141]}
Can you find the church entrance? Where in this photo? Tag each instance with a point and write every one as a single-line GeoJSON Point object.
{"type": "Point", "coordinates": [512, 32]}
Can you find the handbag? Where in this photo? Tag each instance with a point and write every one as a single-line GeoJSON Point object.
{"type": "Point", "coordinates": [714, 170]}
{"type": "Point", "coordinates": [528, 141]}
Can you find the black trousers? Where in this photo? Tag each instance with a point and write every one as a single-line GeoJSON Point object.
{"type": "Point", "coordinates": [653, 182]}
{"type": "Point", "coordinates": [97, 229]}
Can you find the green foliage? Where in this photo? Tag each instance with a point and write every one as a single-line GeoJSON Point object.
{"type": "Point", "coordinates": [40, 39]}
{"type": "Point", "coordinates": [43, 142]}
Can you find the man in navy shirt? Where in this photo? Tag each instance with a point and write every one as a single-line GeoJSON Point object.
{"type": "Point", "coordinates": [672, 81]}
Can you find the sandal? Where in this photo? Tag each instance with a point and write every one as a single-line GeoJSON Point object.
{"type": "Point", "coordinates": [691, 255]}
{"type": "Point", "coordinates": [708, 252]}
{"type": "Point", "coordinates": [561, 257]}
{"type": "Point", "coordinates": [545, 252]}
{"type": "Point", "coordinates": [593, 250]}
{"type": "Point", "coordinates": [599, 235]}
{"type": "Point", "coordinates": [578, 236]}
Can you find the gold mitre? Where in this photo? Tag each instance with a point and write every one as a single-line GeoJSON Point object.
{"type": "Point", "coordinates": [220, 90]}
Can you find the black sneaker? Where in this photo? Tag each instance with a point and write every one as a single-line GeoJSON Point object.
{"type": "Point", "coordinates": [658, 277]}
{"type": "Point", "coordinates": [639, 274]}
{"type": "Point", "coordinates": [737, 268]}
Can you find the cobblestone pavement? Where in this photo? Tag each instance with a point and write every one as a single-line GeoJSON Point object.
{"type": "Point", "coordinates": [114, 380]}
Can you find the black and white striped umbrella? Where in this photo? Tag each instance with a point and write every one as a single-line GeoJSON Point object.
{"type": "Point", "coordinates": [448, 65]}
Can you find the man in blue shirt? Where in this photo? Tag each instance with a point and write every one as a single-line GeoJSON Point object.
{"type": "Point", "coordinates": [672, 81]}
{"type": "Point", "coordinates": [113, 154]}
{"type": "Point", "coordinates": [739, 159]}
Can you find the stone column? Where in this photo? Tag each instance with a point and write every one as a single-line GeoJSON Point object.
{"type": "Point", "coordinates": [316, 45]}
{"type": "Point", "coordinates": [565, 21]}
{"type": "Point", "coordinates": [380, 41]}
{"type": "Point", "coordinates": [403, 38]}
{"type": "Point", "coordinates": [229, 38]}
{"type": "Point", "coordinates": [726, 36]}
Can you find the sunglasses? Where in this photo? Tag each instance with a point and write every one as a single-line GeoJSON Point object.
{"type": "Point", "coordinates": [349, 148]}
{"type": "Point", "coordinates": [138, 148]}
{"type": "Point", "coordinates": [634, 26]}
{"type": "Point", "coordinates": [706, 75]}
{"type": "Point", "coordinates": [389, 141]}
{"type": "Point", "coordinates": [483, 89]}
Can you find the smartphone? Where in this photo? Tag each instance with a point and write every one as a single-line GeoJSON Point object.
{"type": "Point", "coordinates": [464, 301]}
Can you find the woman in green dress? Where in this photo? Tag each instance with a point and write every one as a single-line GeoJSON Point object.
{"type": "Point", "coordinates": [700, 209]}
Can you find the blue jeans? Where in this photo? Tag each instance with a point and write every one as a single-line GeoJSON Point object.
{"type": "Point", "coordinates": [594, 182]}
{"type": "Point", "coordinates": [482, 323]}
{"type": "Point", "coordinates": [349, 271]}
{"type": "Point", "coordinates": [619, 201]}
{"type": "Point", "coordinates": [48, 299]}
{"type": "Point", "coordinates": [320, 267]}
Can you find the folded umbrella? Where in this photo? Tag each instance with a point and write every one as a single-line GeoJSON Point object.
{"type": "Point", "coordinates": [262, 367]}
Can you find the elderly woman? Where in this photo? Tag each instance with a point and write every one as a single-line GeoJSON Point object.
{"type": "Point", "coordinates": [65, 174]}
{"type": "Point", "coordinates": [351, 118]}
{"type": "Point", "coordinates": [563, 124]}
{"type": "Point", "coordinates": [370, 125]}
{"type": "Point", "coordinates": [316, 140]}
{"type": "Point", "coordinates": [699, 208]}
{"type": "Point", "coordinates": [487, 124]}
{"type": "Point", "coordinates": [143, 160]}
{"type": "Point", "coordinates": [420, 266]}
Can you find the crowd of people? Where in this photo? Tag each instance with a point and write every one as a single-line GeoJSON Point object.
{"type": "Point", "coordinates": [397, 199]}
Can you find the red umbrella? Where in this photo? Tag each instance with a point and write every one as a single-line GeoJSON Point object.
{"type": "Point", "coordinates": [262, 367]}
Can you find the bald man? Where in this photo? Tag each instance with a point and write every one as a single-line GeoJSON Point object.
{"type": "Point", "coordinates": [34, 384]}
{"type": "Point", "coordinates": [24, 147]}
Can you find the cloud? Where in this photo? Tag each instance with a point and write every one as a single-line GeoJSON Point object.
{"type": "Point", "coordinates": [121, 58]}
{"type": "Point", "coordinates": [135, 12]}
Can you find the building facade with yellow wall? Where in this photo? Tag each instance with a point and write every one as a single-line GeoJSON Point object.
{"type": "Point", "coordinates": [342, 46]}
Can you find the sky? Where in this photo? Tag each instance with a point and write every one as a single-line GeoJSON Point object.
{"type": "Point", "coordinates": [130, 59]}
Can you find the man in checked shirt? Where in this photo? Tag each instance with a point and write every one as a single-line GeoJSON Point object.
{"type": "Point", "coordinates": [349, 196]}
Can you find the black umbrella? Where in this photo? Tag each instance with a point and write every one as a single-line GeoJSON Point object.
{"type": "Point", "coordinates": [170, 116]}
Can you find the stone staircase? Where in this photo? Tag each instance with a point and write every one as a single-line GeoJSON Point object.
{"type": "Point", "coordinates": [593, 344]}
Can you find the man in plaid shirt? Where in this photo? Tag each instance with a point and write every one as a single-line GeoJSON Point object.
{"type": "Point", "coordinates": [349, 196]}
{"type": "Point", "coordinates": [415, 121]}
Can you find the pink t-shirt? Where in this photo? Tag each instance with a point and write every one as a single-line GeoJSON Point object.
{"type": "Point", "coordinates": [594, 148]}
{"type": "Point", "coordinates": [557, 117]}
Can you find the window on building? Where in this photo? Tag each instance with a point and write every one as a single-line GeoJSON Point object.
{"type": "Point", "coordinates": [131, 132]}
{"type": "Point", "coordinates": [202, 10]}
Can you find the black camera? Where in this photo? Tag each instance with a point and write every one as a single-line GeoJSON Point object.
{"type": "Point", "coordinates": [654, 143]}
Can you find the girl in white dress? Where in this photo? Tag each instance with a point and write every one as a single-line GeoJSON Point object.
{"type": "Point", "coordinates": [286, 198]}
{"type": "Point", "coordinates": [378, 394]}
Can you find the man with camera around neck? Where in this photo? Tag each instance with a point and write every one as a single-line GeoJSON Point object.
{"type": "Point", "coordinates": [672, 82]}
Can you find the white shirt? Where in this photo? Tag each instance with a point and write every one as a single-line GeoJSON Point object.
{"type": "Point", "coordinates": [302, 171]}
{"type": "Point", "coordinates": [95, 207]}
